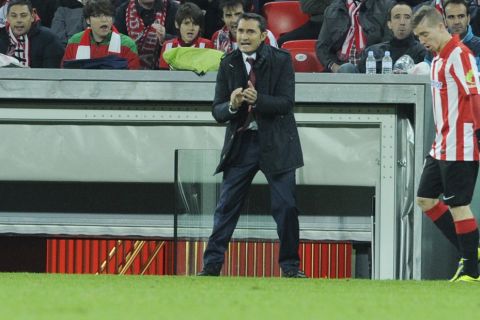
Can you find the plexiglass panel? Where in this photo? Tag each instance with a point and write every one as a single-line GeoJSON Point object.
{"type": "Point", "coordinates": [197, 192]}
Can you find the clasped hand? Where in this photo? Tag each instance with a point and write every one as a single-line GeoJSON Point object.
{"type": "Point", "coordinates": [241, 95]}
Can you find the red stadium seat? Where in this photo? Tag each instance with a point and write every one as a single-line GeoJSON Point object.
{"type": "Point", "coordinates": [303, 55]}
{"type": "Point", "coordinates": [284, 16]}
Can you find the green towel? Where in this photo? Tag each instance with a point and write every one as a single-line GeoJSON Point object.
{"type": "Point", "coordinates": [198, 60]}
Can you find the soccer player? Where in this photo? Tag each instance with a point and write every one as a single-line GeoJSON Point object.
{"type": "Point", "coordinates": [452, 164]}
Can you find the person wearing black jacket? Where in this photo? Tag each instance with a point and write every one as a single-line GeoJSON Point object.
{"type": "Point", "coordinates": [403, 42]}
{"type": "Point", "coordinates": [254, 96]}
{"type": "Point", "coordinates": [334, 47]}
{"type": "Point", "coordinates": [24, 39]}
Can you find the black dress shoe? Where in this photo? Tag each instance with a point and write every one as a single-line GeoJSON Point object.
{"type": "Point", "coordinates": [293, 274]}
{"type": "Point", "coordinates": [205, 273]}
{"type": "Point", "coordinates": [209, 272]}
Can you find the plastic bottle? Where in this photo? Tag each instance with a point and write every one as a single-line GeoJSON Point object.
{"type": "Point", "coordinates": [387, 63]}
{"type": "Point", "coordinates": [371, 64]}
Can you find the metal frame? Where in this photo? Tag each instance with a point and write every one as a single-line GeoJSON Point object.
{"type": "Point", "coordinates": [72, 96]}
{"type": "Point", "coordinates": [385, 237]}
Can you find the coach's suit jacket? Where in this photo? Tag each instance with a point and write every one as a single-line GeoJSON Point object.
{"type": "Point", "coordinates": [277, 129]}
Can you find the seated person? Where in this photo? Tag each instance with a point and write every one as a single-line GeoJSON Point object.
{"type": "Point", "coordinates": [24, 39]}
{"type": "Point", "coordinates": [101, 40]}
{"type": "Point", "coordinates": [341, 41]}
{"type": "Point", "coordinates": [225, 39]}
{"type": "Point", "coordinates": [68, 19]}
{"type": "Point", "coordinates": [457, 18]}
{"type": "Point", "coordinates": [473, 11]}
{"type": "Point", "coordinates": [189, 23]}
{"type": "Point", "coordinates": [403, 42]}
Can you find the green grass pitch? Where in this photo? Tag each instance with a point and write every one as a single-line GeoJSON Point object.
{"type": "Point", "coordinates": [48, 296]}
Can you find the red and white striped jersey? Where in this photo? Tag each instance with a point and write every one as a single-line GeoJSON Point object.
{"type": "Point", "coordinates": [454, 79]}
{"type": "Point", "coordinates": [177, 42]}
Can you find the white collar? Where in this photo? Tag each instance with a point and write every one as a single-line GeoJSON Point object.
{"type": "Point", "coordinates": [245, 56]}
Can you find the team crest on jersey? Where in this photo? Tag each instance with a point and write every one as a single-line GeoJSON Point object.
{"type": "Point", "coordinates": [470, 79]}
{"type": "Point", "coordinates": [436, 84]}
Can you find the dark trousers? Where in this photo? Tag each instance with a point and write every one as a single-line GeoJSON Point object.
{"type": "Point", "coordinates": [237, 179]}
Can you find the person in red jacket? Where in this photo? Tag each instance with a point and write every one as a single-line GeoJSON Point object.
{"type": "Point", "coordinates": [100, 45]}
{"type": "Point", "coordinates": [189, 24]}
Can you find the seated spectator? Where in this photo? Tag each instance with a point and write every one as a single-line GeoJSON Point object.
{"type": "Point", "coordinates": [341, 41]}
{"type": "Point", "coordinates": [68, 19]}
{"type": "Point", "coordinates": [311, 29]}
{"type": "Point", "coordinates": [189, 22]}
{"type": "Point", "coordinates": [149, 23]}
{"type": "Point", "coordinates": [473, 10]}
{"type": "Point", "coordinates": [225, 39]}
{"type": "Point", "coordinates": [457, 18]}
{"type": "Point", "coordinates": [24, 39]}
{"type": "Point", "coordinates": [403, 41]}
{"type": "Point", "coordinates": [43, 10]}
{"type": "Point", "coordinates": [101, 40]}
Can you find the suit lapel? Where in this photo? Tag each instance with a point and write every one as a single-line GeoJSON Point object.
{"type": "Point", "coordinates": [239, 74]}
{"type": "Point", "coordinates": [261, 71]}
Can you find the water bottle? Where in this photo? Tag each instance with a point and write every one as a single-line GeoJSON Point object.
{"type": "Point", "coordinates": [387, 63]}
{"type": "Point", "coordinates": [371, 64]}
{"type": "Point", "coordinates": [404, 64]}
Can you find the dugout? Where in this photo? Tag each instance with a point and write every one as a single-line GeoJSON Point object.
{"type": "Point", "coordinates": [100, 153]}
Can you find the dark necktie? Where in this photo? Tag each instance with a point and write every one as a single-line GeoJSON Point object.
{"type": "Point", "coordinates": [250, 114]}
{"type": "Point", "coordinates": [251, 75]}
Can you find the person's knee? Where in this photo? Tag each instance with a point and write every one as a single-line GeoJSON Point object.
{"type": "Point", "coordinates": [348, 68]}
{"type": "Point", "coordinates": [426, 203]}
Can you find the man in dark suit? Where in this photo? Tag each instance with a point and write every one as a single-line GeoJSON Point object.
{"type": "Point", "coordinates": [254, 95]}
